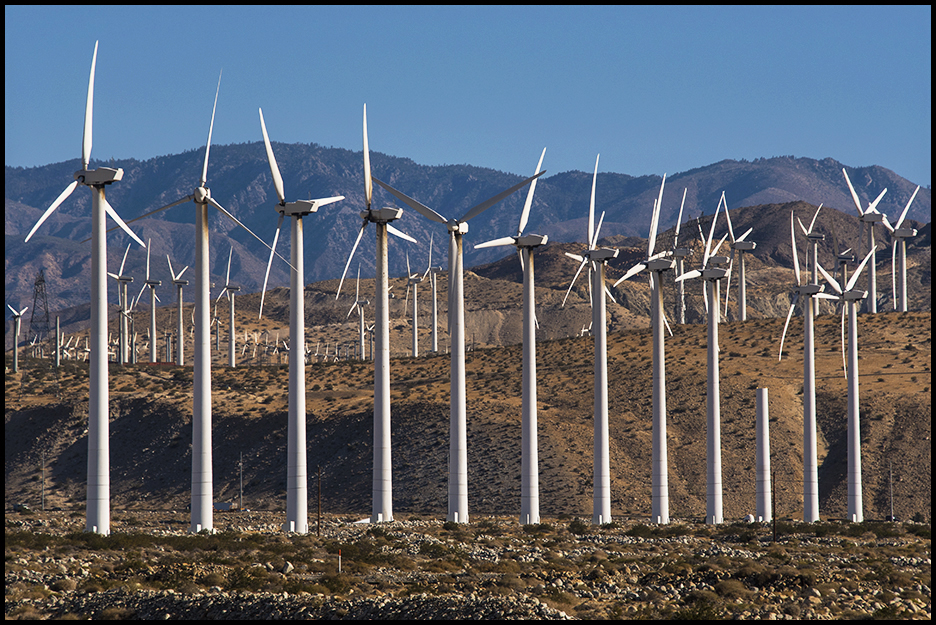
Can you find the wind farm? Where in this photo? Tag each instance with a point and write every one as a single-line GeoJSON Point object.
{"type": "Point", "coordinates": [683, 431]}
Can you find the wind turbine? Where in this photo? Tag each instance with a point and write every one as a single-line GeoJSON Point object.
{"type": "Point", "coordinates": [202, 475]}
{"type": "Point", "coordinates": [810, 460]}
{"type": "Point", "coordinates": [900, 236]}
{"type": "Point", "coordinates": [712, 271]}
{"type": "Point", "coordinates": [152, 284]}
{"type": "Point", "coordinates": [656, 264]}
{"type": "Point", "coordinates": [680, 254]}
{"type": "Point", "coordinates": [382, 509]}
{"type": "Point", "coordinates": [413, 280]}
{"type": "Point", "coordinates": [297, 517]}
{"type": "Point", "coordinates": [359, 305]}
{"type": "Point", "coordinates": [813, 238]}
{"type": "Point", "coordinates": [98, 495]}
{"type": "Point", "coordinates": [869, 216]}
{"type": "Point", "coordinates": [179, 283]}
{"type": "Point", "coordinates": [17, 320]}
{"type": "Point", "coordinates": [124, 303]}
{"type": "Point", "coordinates": [740, 246]}
{"type": "Point", "coordinates": [230, 290]}
{"type": "Point", "coordinates": [597, 260]}
{"type": "Point", "coordinates": [529, 461]}
{"type": "Point", "coordinates": [433, 280]}
{"type": "Point", "coordinates": [458, 437]}
{"type": "Point", "coordinates": [851, 296]}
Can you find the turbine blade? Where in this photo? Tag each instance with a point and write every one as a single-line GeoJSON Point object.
{"type": "Point", "coordinates": [368, 183]}
{"type": "Point", "coordinates": [813, 222]}
{"type": "Point", "coordinates": [844, 361]}
{"type": "Point", "coordinates": [631, 272]}
{"type": "Point", "coordinates": [832, 281]}
{"type": "Point", "coordinates": [802, 227]}
{"type": "Point", "coordinates": [571, 284]}
{"type": "Point", "coordinates": [854, 277]}
{"type": "Point", "coordinates": [397, 233]}
{"type": "Point", "coordinates": [171, 272]}
{"type": "Point", "coordinates": [853, 194]}
{"type": "Point", "coordinates": [894, 273]}
{"type": "Point", "coordinates": [655, 221]}
{"type": "Point", "coordinates": [594, 241]}
{"type": "Point", "coordinates": [274, 168]}
{"type": "Point", "coordinates": [162, 208]}
{"type": "Point", "coordinates": [745, 235]}
{"type": "Point", "coordinates": [496, 242]}
{"type": "Point", "coordinates": [237, 221]}
{"type": "Point", "coordinates": [227, 275]}
{"type": "Point", "coordinates": [786, 325]}
{"type": "Point", "coordinates": [120, 222]}
{"type": "Point", "coordinates": [666, 323]}
{"type": "Point", "coordinates": [692, 273]}
{"type": "Point", "coordinates": [906, 208]}
{"type": "Point", "coordinates": [886, 223]}
{"type": "Point", "coordinates": [728, 217]}
{"type": "Point", "coordinates": [728, 280]}
{"type": "Point", "coordinates": [795, 254]}
{"type": "Point", "coordinates": [420, 208]}
{"type": "Point", "coordinates": [350, 256]}
{"type": "Point", "coordinates": [58, 201]}
{"type": "Point", "coordinates": [149, 247]}
{"type": "Point", "coordinates": [326, 201]}
{"type": "Point", "coordinates": [483, 206]}
{"type": "Point", "coordinates": [525, 215]}
{"type": "Point", "coordinates": [873, 206]}
{"type": "Point", "coordinates": [89, 114]}
{"type": "Point", "coordinates": [591, 206]}
{"type": "Point", "coordinates": [679, 219]}
{"type": "Point", "coordinates": [575, 257]}
{"type": "Point", "coordinates": [204, 175]}
{"type": "Point", "coordinates": [608, 293]}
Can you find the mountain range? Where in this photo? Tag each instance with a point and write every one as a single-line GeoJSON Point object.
{"type": "Point", "coordinates": [240, 180]}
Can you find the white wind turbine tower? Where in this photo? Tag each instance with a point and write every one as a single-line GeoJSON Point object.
{"type": "Point", "coordinates": [458, 437]}
{"type": "Point", "coordinates": [124, 304]}
{"type": "Point", "coordinates": [869, 216]}
{"type": "Point", "coordinates": [597, 259]}
{"type": "Point", "coordinates": [178, 282]}
{"type": "Point", "coordinates": [740, 246]}
{"type": "Point", "coordinates": [529, 460]}
{"type": "Point", "coordinates": [851, 296]}
{"type": "Point", "coordinates": [900, 236]}
{"type": "Point", "coordinates": [297, 517]}
{"type": "Point", "coordinates": [656, 264]}
{"type": "Point", "coordinates": [712, 271]}
{"type": "Point", "coordinates": [202, 475]}
{"type": "Point", "coordinates": [17, 320]}
{"type": "Point", "coordinates": [382, 509]}
{"type": "Point", "coordinates": [152, 284]}
{"type": "Point", "coordinates": [231, 290]}
{"type": "Point", "coordinates": [98, 496]}
{"type": "Point", "coordinates": [810, 459]}
{"type": "Point", "coordinates": [413, 280]}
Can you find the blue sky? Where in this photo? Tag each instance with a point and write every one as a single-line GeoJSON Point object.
{"type": "Point", "coordinates": [653, 89]}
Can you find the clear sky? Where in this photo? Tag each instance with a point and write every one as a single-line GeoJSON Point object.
{"type": "Point", "coordinates": [653, 89]}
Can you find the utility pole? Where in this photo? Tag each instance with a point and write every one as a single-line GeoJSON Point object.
{"type": "Point", "coordinates": [318, 532]}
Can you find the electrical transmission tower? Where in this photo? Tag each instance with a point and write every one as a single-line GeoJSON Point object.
{"type": "Point", "coordinates": [40, 326]}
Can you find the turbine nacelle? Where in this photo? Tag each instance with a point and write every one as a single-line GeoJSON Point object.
{"type": "Point", "coordinates": [457, 227]}
{"type": "Point", "coordinates": [299, 207]}
{"type": "Point", "coordinates": [660, 264]}
{"type": "Point", "coordinates": [202, 195]}
{"type": "Point", "coordinates": [152, 283]}
{"type": "Point", "coordinates": [714, 273]}
{"type": "Point", "coordinates": [872, 217]}
{"type": "Point", "coordinates": [530, 240]}
{"type": "Point", "coordinates": [854, 295]}
{"type": "Point", "coordinates": [382, 215]}
{"type": "Point", "coordinates": [744, 246]}
{"type": "Point", "coordinates": [99, 176]}
{"type": "Point", "coordinates": [601, 254]}
{"type": "Point", "coordinates": [905, 233]}
{"type": "Point", "coordinates": [809, 289]}
{"type": "Point", "coordinates": [180, 282]}
{"type": "Point", "coordinates": [815, 237]}
{"type": "Point", "coordinates": [682, 252]}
